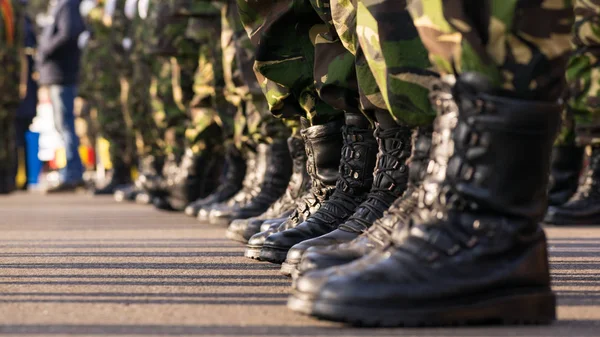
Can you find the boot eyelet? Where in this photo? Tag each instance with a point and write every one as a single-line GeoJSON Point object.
{"type": "Point", "coordinates": [474, 139]}
{"type": "Point", "coordinates": [355, 175]}
{"type": "Point", "coordinates": [468, 173]}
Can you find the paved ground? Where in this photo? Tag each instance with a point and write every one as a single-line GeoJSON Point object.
{"type": "Point", "coordinates": [77, 265]}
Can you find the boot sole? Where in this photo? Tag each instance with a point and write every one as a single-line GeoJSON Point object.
{"type": "Point", "coordinates": [253, 252]}
{"type": "Point", "coordinates": [562, 223]}
{"type": "Point", "coordinates": [288, 269]}
{"type": "Point", "coordinates": [531, 307]}
{"type": "Point", "coordinates": [219, 221]}
{"type": "Point", "coordinates": [143, 200]}
{"type": "Point", "coordinates": [235, 236]}
{"type": "Point", "coordinates": [273, 255]}
{"type": "Point", "coordinates": [190, 211]}
{"type": "Point", "coordinates": [122, 197]}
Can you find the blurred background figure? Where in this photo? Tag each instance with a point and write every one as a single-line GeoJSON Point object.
{"type": "Point", "coordinates": [29, 89]}
{"type": "Point", "coordinates": [58, 60]}
{"type": "Point", "coordinates": [10, 63]}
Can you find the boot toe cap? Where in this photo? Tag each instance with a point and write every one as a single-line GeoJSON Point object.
{"type": "Point", "coordinates": [259, 238]}
{"type": "Point", "coordinates": [295, 254]}
{"type": "Point", "coordinates": [190, 210]}
{"type": "Point", "coordinates": [311, 282]}
{"type": "Point", "coordinates": [239, 225]}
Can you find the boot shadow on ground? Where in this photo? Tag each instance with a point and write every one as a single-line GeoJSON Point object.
{"type": "Point", "coordinates": [168, 298]}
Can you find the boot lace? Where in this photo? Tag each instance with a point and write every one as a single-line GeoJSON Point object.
{"type": "Point", "coordinates": [589, 189]}
{"type": "Point", "coordinates": [390, 162]}
{"type": "Point", "coordinates": [343, 201]}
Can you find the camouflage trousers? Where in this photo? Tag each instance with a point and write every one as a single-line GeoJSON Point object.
{"type": "Point", "coordinates": [114, 121]}
{"type": "Point", "coordinates": [367, 58]}
{"type": "Point", "coordinates": [209, 106]}
{"type": "Point", "coordinates": [225, 88]}
{"type": "Point", "coordinates": [148, 133]}
{"type": "Point", "coordinates": [102, 86]}
{"type": "Point", "coordinates": [9, 103]}
{"type": "Point", "coordinates": [253, 122]}
{"type": "Point", "coordinates": [310, 75]}
{"type": "Point", "coordinates": [500, 40]}
{"type": "Point", "coordinates": [393, 71]}
{"type": "Point", "coordinates": [171, 92]}
{"type": "Point", "coordinates": [583, 74]}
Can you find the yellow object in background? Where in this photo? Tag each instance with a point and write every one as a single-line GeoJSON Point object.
{"type": "Point", "coordinates": [134, 173]}
{"type": "Point", "coordinates": [84, 154]}
{"type": "Point", "coordinates": [103, 148]}
{"type": "Point", "coordinates": [21, 178]}
{"type": "Point", "coordinates": [60, 158]}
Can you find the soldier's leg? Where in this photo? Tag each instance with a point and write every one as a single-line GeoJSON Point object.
{"type": "Point", "coordinates": [210, 104]}
{"type": "Point", "coordinates": [394, 78]}
{"type": "Point", "coordinates": [148, 124]}
{"type": "Point", "coordinates": [475, 234]}
{"type": "Point", "coordinates": [113, 127]}
{"type": "Point", "coordinates": [583, 100]}
{"type": "Point", "coordinates": [286, 67]}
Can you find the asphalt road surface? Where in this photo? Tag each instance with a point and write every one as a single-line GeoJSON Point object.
{"type": "Point", "coordinates": [78, 265]}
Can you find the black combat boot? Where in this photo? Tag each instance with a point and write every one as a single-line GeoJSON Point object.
{"type": "Point", "coordinates": [567, 162]}
{"type": "Point", "coordinates": [120, 178]}
{"type": "Point", "coordinates": [478, 253]}
{"type": "Point", "coordinates": [153, 183]}
{"type": "Point", "coordinates": [242, 229]}
{"type": "Point", "coordinates": [323, 144]}
{"type": "Point", "coordinates": [584, 206]}
{"type": "Point", "coordinates": [389, 183]}
{"type": "Point", "coordinates": [231, 182]}
{"type": "Point", "coordinates": [150, 170]}
{"type": "Point", "coordinates": [380, 233]}
{"type": "Point", "coordinates": [250, 183]}
{"type": "Point", "coordinates": [273, 183]}
{"type": "Point", "coordinates": [196, 177]}
{"type": "Point", "coordinates": [355, 179]}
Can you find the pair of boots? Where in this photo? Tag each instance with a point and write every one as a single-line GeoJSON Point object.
{"type": "Point", "coordinates": [351, 189]}
{"type": "Point", "coordinates": [268, 171]}
{"type": "Point", "coordinates": [150, 169]}
{"type": "Point", "coordinates": [463, 244]}
{"type": "Point", "coordinates": [299, 183]}
{"type": "Point", "coordinates": [119, 180]}
{"type": "Point", "coordinates": [171, 183]}
{"type": "Point", "coordinates": [186, 179]}
{"type": "Point", "coordinates": [583, 207]}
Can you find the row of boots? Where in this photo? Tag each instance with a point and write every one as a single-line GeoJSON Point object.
{"type": "Point", "coordinates": [389, 226]}
{"type": "Point", "coordinates": [431, 225]}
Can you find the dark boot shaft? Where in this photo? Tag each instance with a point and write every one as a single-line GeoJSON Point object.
{"type": "Point", "coordinates": [567, 163]}
{"type": "Point", "coordinates": [493, 156]}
